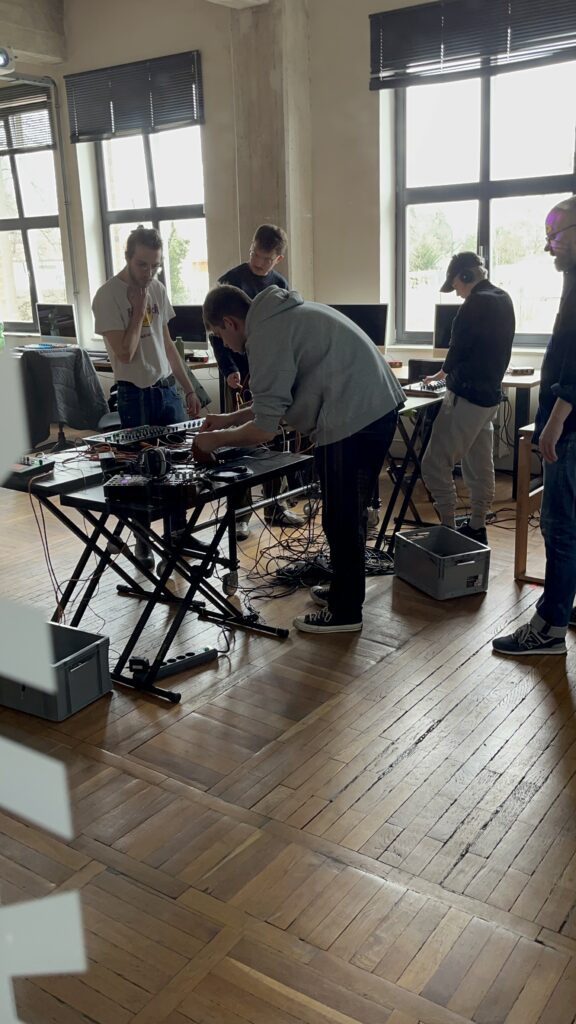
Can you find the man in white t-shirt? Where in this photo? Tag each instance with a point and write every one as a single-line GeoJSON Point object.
{"type": "Point", "coordinates": [132, 311]}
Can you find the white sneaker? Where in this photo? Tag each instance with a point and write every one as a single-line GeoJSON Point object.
{"type": "Point", "coordinates": [242, 529]}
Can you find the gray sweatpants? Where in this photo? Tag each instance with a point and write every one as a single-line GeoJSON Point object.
{"type": "Point", "coordinates": [462, 432]}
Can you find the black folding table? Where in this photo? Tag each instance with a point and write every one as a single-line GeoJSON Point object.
{"type": "Point", "coordinates": [108, 522]}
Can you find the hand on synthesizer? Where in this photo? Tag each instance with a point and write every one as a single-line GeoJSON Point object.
{"type": "Point", "coordinates": [214, 421]}
{"type": "Point", "coordinates": [202, 448]}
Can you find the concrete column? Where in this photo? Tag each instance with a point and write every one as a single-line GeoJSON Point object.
{"type": "Point", "coordinates": [270, 68]}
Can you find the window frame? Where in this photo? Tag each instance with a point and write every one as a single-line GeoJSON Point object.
{"type": "Point", "coordinates": [21, 222]}
{"type": "Point", "coordinates": [483, 191]}
{"type": "Point", "coordinates": [153, 213]}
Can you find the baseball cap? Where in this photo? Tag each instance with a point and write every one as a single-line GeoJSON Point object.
{"type": "Point", "coordinates": [461, 261]}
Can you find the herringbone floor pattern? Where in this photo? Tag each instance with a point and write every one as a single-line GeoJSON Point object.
{"type": "Point", "coordinates": [368, 829]}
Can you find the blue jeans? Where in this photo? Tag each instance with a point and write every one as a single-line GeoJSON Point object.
{"type": "Point", "coordinates": [156, 406]}
{"type": "Point", "coordinates": [558, 525]}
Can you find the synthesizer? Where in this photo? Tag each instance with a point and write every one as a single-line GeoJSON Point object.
{"type": "Point", "coordinates": [135, 435]}
{"type": "Point", "coordinates": [433, 387]}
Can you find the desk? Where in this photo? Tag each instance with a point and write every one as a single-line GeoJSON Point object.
{"type": "Point", "coordinates": [423, 410]}
{"type": "Point", "coordinates": [102, 364]}
{"type": "Point", "coordinates": [523, 387]}
{"type": "Point", "coordinates": [527, 501]}
{"type": "Point", "coordinates": [90, 500]}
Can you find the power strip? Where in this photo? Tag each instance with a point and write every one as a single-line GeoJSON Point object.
{"type": "Point", "coordinates": [34, 460]}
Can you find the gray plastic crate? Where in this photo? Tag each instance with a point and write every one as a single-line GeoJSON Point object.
{"type": "Point", "coordinates": [81, 668]}
{"type": "Point", "coordinates": [442, 562]}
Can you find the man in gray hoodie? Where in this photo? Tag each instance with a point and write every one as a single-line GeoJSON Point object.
{"type": "Point", "coordinates": [317, 371]}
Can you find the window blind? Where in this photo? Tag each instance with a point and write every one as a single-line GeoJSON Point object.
{"type": "Point", "coordinates": [457, 38]}
{"type": "Point", "coordinates": [25, 119]}
{"type": "Point", "coordinates": [141, 97]}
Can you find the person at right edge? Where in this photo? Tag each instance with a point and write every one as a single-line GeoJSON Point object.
{"type": "Point", "coordinates": [555, 434]}
{"type": "Point", "coordinates": [477, 359]}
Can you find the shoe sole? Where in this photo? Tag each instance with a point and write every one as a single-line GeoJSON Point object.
{"type": "Point", "coordinates": [305, 628]}
{"type": "Point", "coordinates": [528, 654]}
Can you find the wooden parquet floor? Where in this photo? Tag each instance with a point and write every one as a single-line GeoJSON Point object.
{"type": "Point", "coordinates": [366, 829]}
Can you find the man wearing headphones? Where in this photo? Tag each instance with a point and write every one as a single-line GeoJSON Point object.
{"type": "Point", "coordinates": [479, 353]}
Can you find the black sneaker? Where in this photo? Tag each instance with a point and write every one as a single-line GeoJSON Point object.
{"type": "Point", "coordinates": [527, 640]}
{"type": "Point", "coordinates": [320, 594]}
{"type": "Point", "coordinates": [480, 535]}
{"type": "Point", "coordinates": [325, 622]}
{"type": "Point", "coordinates": [144, 554]}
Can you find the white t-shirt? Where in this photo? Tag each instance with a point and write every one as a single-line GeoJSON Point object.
{"type": "Point", "coordinates": [112, 312]}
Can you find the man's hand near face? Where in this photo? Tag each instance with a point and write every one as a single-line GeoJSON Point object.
{"type": "Point", "coordinates": [138, 299]}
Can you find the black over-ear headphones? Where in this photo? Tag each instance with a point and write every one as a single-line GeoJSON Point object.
{"type": "Point", "coordinates": [466, 276]}
{"type": "Point", "coordinates": [153, 462]}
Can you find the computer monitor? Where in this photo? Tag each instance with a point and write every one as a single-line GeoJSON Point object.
{"type": "Point", "coordinates": [370, 317]}
{"type": "Point", "coordinates": [56, 321]}
{"type": "Point", "coordinates": [443, 319]}
{"type": "Point", "coordinates": [188, 324]}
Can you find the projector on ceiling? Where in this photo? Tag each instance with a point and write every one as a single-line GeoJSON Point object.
{"type": "Point", "coordinates": [7, 63]}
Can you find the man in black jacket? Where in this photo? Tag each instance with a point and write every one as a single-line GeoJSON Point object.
{"type": "Point", "coordinates": [555, 435]}
{"type": "Point", "coordinates": [267, 250]}
{"type": "Point", "coordinates": [479, 353]}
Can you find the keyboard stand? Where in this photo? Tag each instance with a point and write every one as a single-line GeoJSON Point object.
{"type": "Point", "coordinates": [407, 474]}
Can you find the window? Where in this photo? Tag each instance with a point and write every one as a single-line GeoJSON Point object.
{"type": "Point", "coordinates": [145, 119]}
{"type": "Point", "coordinates": [480, 162]}
{"type": "Point", "coordinates": [31, 263]}
{"type": "Point", "coordinates": [157, 180]}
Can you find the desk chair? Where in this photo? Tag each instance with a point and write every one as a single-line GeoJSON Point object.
{"type": "Point", "coordinates": [420, 368]}
{"type": "Point", "coordinates": [60, 386]}
{"type": "Point", "coordinates": [111, 419]}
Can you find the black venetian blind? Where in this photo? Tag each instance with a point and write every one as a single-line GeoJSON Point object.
{"type": "Point", "coordinates": [457, 38]}
{"type": "Point", "coordinates": [142, 97]}
{"type": "Point", "coordinates": [25, 119]}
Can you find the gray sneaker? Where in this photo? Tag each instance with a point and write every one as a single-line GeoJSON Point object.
{"type": "Point", "coordinates": [527, 640]}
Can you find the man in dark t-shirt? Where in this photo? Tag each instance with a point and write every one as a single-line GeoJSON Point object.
{"type": "Point", "coordinates": [267, 250]}
{"type": "Point", "coordinates": [555, 435]}
{"type": "Point", "coordinates": [479, 353]}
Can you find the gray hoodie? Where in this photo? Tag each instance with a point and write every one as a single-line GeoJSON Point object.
{"type": "Point", "coordinates": [313, 368]}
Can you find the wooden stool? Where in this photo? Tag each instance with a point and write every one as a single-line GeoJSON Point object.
{"type": "Point", "coordinates": [527, 502]}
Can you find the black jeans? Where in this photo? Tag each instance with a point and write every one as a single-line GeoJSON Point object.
{"type": "Point", "coordinates": [348, 471]}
